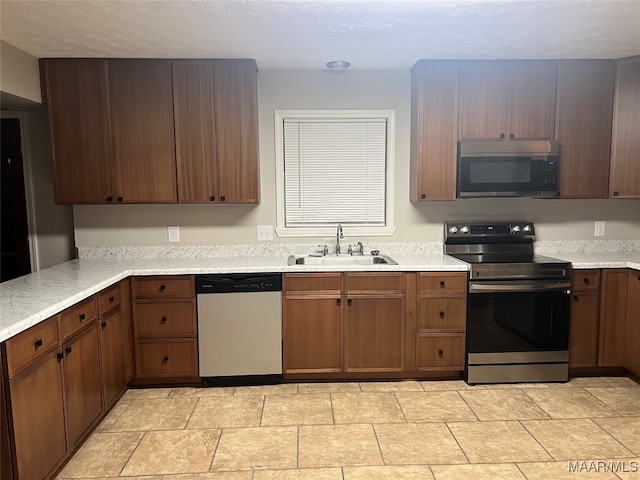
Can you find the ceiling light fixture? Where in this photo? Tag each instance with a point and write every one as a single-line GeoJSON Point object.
{"type": "Point", "coordinates": [338, 65]}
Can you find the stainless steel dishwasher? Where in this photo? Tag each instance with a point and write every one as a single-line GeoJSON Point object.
{"type": "Point", "coordinates": [240, 328]}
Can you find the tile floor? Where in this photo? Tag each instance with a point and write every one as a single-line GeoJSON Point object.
{"type": "Point", "coordinates": [369, 431]}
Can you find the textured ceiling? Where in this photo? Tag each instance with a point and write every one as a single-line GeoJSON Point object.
{"type": "Point", "coordinates": [374, 34]}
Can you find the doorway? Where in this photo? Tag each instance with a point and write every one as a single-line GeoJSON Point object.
{"type": "Point", "coordinates": [16, 255]}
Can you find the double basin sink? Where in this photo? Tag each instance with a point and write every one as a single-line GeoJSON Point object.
{"type": "Point", "coordinates": [341, 260]}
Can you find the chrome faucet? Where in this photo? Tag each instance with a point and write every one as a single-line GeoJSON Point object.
{"type": "Point", "coordinates": [339, 235]}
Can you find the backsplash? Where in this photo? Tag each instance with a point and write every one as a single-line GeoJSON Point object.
{"type": "Point", "coordinates": [272, 249]}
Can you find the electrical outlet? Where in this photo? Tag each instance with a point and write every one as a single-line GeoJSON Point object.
{"type": "Point", "coordinates": [173, 233]}
{"type": "Point", "coordinates": [264, 233]}
{"type": "Point", "coordinates": [600, 230]}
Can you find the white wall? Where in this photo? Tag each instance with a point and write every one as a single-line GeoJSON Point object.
{"type": "Point", "coordinates": [19, 73]}
{"type": "Point", "coordinates": [130, 225]}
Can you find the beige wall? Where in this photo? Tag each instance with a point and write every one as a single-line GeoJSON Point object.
{"type": "Point", "coordinates": [19, 73]}
{"type": "Point", "coordinates": [129, 225]}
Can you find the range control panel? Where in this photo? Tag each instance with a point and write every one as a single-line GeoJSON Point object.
{"type": "Point", "coordinates": [458, 230]}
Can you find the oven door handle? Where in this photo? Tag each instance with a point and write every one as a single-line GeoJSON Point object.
{"type": "Point", "coordinates": [519, 286]}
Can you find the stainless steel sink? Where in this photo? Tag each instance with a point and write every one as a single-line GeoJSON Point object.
{"type": "Point", "coordinates": [341, 260]}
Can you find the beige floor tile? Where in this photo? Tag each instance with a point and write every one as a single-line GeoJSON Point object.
{"type": "Point", "coordinates": [497, 442]}
{"type": "Point", "coordinates": [627, 468]}
{"type": "Point", "coordinates": [138, 393]}
{"type": "Point", "coordinates": [601, 382]}
{"type": "Point", "coordinates": [434, 407]}
{"type": "Point", "coordinates": [626, 430]}
{"type": "Point", "coordinates": [562, 471]}
{"type": "Point", "coordinates": [502, 405]}
{"type": "Point", "coordinates": [517, 386]}
{"type": "Point", "coordinates": [202, 392]}
{"type": "Point", "coordinates": [388, 472]}
{"type": "Point", "coordinates": [418, 444]}
{"type": "Point", "coordinates": [337, 445]}
{"type": "Point", "coordinates": [299, 474]}
{"type": "Point", "coordinates": [144, 477]}
{"type": "Point", "coordinates": [439, 385]}
{"type": "Point", "coordinates": [230, 411]}
{"type": "Point", "coordinates": [300, 409]}
{"type": "Point", "coordinates": [569, 403]}
{"type": "Point", "coordinates": [115, 413]}
{"type": "Point", "coordinates": [575, 439]}
{"type": "Point", "coordinates": [401, 386]}
{"type": "Point", "coordinates": [173, 451]}
{"type": "Point", "coordinates": [329, 387]}
{"type": "Point", "coordinates": [243, 475]}
{"type": "Point", "coordinates": [625, 401]}
{"type": "Point", "coordinates": [103, 455]}
{"type": "Point", "coordinates": [155, 414]}
{"type": "Point", "coordinates": [256, 448]}
{"type": "Point", "coordinates": [282, 389]}
{"type": "Point", "coordinates": [478, 471]}
{"type": "Point", "coordinates": [366, 408]}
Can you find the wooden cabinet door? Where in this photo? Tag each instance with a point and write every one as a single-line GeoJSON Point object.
{"type": "Point", "coordinates": [235, 88]}
{"type": "Point", "coordinates": [613, 315]}
{"type": "Point", "coordinates": [76, 94]}
{"type": "Point", "coordinates": [625, 145]}
{"type": "Point", "coordinates": [128, 343]}
{"type": "Point", "coordinates": [583, 329]}
{"type": "Point", "coordinates": [532, 98]}
{"type": "Point", "coordinates": [312, 334]}
{"type": "Point", "coordinates": [434, 130]}
{"type": "Point", "coordinates": [484, 97]}
{"type": "Point", "coordinates": [141, 105]}
{"type": "Point", "coordinates": [113, 376]}
{"type": "Point", "coordinates": [584, 106]}
{"type": "Point", "coordinates": [5, 449]}
{"type": "Point", "coordinates": [38, 418]}
{"type": "Point", "coordinates": [374, 333]}
{"type": "Point", "coordinates": [195, 131]}
{"type": "Point", "coordinates": [632, 330]}
{"type": "Point", "coordinates": [82, 382]}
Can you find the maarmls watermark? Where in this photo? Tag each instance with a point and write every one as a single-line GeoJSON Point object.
{"type": "Point", "coordinates": [599, 466]}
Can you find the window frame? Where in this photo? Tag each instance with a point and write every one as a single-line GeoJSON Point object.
{"type": "Point", "coordinates": [368, 230]}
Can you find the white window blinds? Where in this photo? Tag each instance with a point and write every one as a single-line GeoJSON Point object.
{"type": "Point", "coordinates": [335, 171]}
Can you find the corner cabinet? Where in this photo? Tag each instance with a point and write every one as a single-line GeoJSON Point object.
{"type": "Point", "coordinates": [216, 121]}
{"type": "Point", "coordinates": [624, 181]}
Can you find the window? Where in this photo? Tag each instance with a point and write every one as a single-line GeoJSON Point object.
{"type": "Point", "coordinates": [335, 167]}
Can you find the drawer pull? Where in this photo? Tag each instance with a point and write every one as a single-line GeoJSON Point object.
{"type": "Point", "coordinates": [585, 280]}
{"type": "Point", "coordinates": [164, 320]}
{"type": "Point", "coordinates": [60, 356]}
{"type": "Point", "coordinates": [120, 199]}
{"type": "Point", "coordinates": [82, 317]}
{"type": "Point", "coordinates": [576, 298]}
{"type": "Point", "coordinates": [349, 302]}
{"type": "Point", "coordinates": [222, 198]}
{"type": "Point", "coordinates": [38, 343]}
{"type": "Point", "coordinates": [440, 353]}
{"type": "Point", "coordinates": [442, 283]}
{"type": "Point", "coordinates": [212, 198]}
{"type": "Point", "coordinates": [68, 350]}
{"type": "Point", "coordinates": [104, 324]}
{"type": "Point", "coordinates": [338, 301]}
{"type": "Point", "coordinates": [441, 314]}
{"type": "Point", "coordinates": [112, 299]}
{"type": "Point", "coordinates": [163, 288]}
{"type": "Point", "coordinates": [165, 359]}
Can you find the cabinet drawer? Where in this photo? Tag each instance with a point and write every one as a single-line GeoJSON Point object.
{"type": "Point", "coordinates": [165, 319]}
{"type": "Point", "coordinates": [77, 316]}
{"type": "Point", "coordinates": [363, 283]}
{"type": "Point", "coordinates": [585, 280]}
{"type": "Point", "coordinates": [321, 283]}
{"type": "Point", "coordinates": [442, 282]}
{"type": "Point", "coordinates": [444, 314]}
{"type": "Point", "coordinates": [158, 287]}
{"type": "Point", "coordinates": [108, 299]}
{"type": "Point", "coordinates": [25, 348]}
{"type": "Point", "coordinates": [169, 358]}
{"type": "Point", "coordinates": [440, 352]}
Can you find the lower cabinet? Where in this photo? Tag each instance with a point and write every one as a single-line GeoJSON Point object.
{"type": "Point", "coordinates": [613, 316]}
{"type": "Point", "coordinates": [632, 329]}
{"type": "Point", "coordinates": [440, 351]}
{"type": "Point", "coordinates": [583, 322]}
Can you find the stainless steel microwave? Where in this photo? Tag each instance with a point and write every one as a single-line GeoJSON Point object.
{"type": "Point", "coordinates": [517, 168]}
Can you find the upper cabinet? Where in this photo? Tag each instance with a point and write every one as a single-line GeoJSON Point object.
{"type": "Point", "coordinates": [216, 122]}
{"type": "Point", "coordinates": [584, 109]}
{"type": "Point", "coordinates": [506, 99]}
{"type": "Point", "coordinates": [153, 131]}
{"type": "Point", "coordinates": [624, 181]}
{"type": "Point", "coordinates": [76, 91]}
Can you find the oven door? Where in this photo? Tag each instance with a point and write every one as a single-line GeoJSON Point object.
{"type": "Point", "coordinates": [518, 316]}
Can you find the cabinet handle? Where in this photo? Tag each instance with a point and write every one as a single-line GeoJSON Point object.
{"type": "Point", "coordinates": [441, 314]}
{"type": "Point", "coordinates": [212, 198]}
{"type": "Point", "coordinates": [120, 199]}
{"type": "Point", "coordinates": [104, 324]}
{"type": "Point", "coordinates": [442, 283]}
{"type": "Point", "coordinates": [512, 135]}
{"type": "Point", "coordinates": [82, 317]}
{"type": "Point", "coordinates": [502, 136]}
{"type": "Point", "coordinates": [222, 198]}
{"type": "Point", "coordinates": [112, 299]}
{"type": "Point", "coordinates": [165, 359]}
{"type": "Point", "coordinates": [576, 298]}
{"type": "Point", "coordinates": [163, 288]}
{"type": "Point", "coordinates": [163, 319]}
{"type": "Point", "coordinates": [423, 196]}
{"type": "Point", "coordinates": [586, 281]}
{"type": "Point", "coordinates": [60, 356]}
{"type": "Point", "coordinates": [615, 194]}
{"type": "Point", "coordinates": [68, 350]}
{"type": "Point", "coordinates": [109, 199]}
{"type": "Point", "coordinates": [440, 353]}
{"type": "Point", "coordinates": [349, 302]}
{"type": "Point", "coordinates": [338, 301]}
{"type": "Point", "coordinates": [38, 343]}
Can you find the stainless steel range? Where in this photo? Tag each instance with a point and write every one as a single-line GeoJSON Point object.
{"type": "Point", "coordinates": [517, 306]}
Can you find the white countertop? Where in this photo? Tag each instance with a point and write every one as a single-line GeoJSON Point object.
{"type": "Point", "coordinates": [28, 300]}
